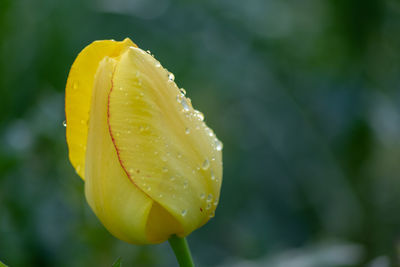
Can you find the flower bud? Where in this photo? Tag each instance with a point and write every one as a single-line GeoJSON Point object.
{"type": "Point", "coordinates": [152, 168]}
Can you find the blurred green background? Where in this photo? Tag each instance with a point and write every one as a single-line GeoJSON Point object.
{"type": "Point", "coordinates": [305, 96]}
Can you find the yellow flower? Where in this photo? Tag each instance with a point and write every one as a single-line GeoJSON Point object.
{"type": "Point", "coordinates": [152, 168]}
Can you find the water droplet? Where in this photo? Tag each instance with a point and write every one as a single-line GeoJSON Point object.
{"type": "Point", "coordinates": [172, 178]}
{"type": "Point", "coordinates": [215, 202]}
{"type": "Point", "coordinates": [137, 74]}
{"type": "Point", "coordinates": [199, 115]}
{"type": "Point", "coordinates": [179, 155]}
{"type": "Point", "coordinates": [148, 52]}
{"type": "Point", "coordinates": [212, 214]}
{"type": "Point", "coordinates": [185, 184]}
{"type": "Point", "coordinates": [213, 159]}
{"type": "Point", "coordinates": [210, 132]}
{"type": "Point", "coordinates": [164, 158]}
{"type": "Point", "coordinates": [65, 123]}
{"type": "Point", "coordinates": [208, 206]}
{"type": "Point", "coordinates": [209, 197]}
{"type": "Point", "coordinates": [183, 91]}
{"type": "Point", "coordinates": [202, 196]}
{"type": "Point", "coordinates": [206, 164]}
{"type": "Point", "coordinates": [185, 104]}
{"type": "Point", "coordinates": [165, 169]}
{"type": "Point", "coordinates": [218, 145]}
{"type": "Point", "coordinates": [157, 64]}
{"type": "Point", "coordinates": [187, 131]}
{"type": "Point", "coordinates": [183, 213]}
{"type": "Point", "coordinates": [148, 188]}
{"type": "Point", "coordinates": [171, 77]}
{"type": "Point", "coordinates": [212, 176]}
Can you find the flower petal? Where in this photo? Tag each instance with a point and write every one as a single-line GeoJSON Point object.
{"type": "Point", "coordinates": [162, 142]}
{"type": "Point", "coordinates": [118, 203]}
{"type": "Point", "coordinates": [78, 95]}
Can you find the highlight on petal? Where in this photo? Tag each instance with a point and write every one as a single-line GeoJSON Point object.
{"type": "Point", "coordinates": [163, 144]}
{"type": "Point", "coordinates": [78, 95]}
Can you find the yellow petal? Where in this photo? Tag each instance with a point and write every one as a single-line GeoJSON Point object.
{"type": "Point", "coordinates": [117, 202]}
{"type": "Point", "coordinates": [78, 95]}
{"type": "Point", "coordinates": [162, 142]}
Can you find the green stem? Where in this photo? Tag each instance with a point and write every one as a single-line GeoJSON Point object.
{"type": "Point", "coordinates": [182, 252]}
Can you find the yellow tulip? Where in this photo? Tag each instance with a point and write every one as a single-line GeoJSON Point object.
{"type": "Point", "coordinates": [152, 168]}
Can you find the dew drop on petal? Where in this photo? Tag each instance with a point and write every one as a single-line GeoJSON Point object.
{"type": "Point", "coordinates": [183, 91]}
{"type": "Point", "coordinates": [202, 196]}
{"type": "Point", "coordinates": [206, 164]}
{"type": "Point", "coordinates": [185, 184]}
{"type": "Point", "coordinates": [212, 176]}
{"type": "Point", "coordinates": [165, 169]}
{"type": "Point", "coordinates": [187, 131]}
{"type": "Point", "coordinates": [209, 197]}
{"type": "Point", "coordinates": [171, 77]}
{"type": "Point", "coordinates": [65, 123]}
{"type": "Point", "coordinates": [218, 145]}
{"type": "Point", "coordinates": [183, 213]}
{"type": "Point", "coordinates": [184, 104]}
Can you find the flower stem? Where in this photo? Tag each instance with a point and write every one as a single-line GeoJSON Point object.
{"type": "Point", "coordinates": [182, 252]}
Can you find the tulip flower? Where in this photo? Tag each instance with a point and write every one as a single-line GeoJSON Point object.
{"type": "Point", "coordinates": [151, 166]}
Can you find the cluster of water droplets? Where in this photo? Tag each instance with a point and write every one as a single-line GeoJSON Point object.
{"type": "Point", "coordinates": [193, 115]}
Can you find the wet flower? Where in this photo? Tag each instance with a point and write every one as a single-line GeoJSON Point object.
{"type": "Point", "coordinates": [152, 167]}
